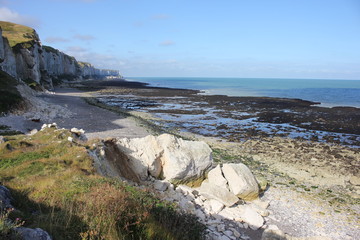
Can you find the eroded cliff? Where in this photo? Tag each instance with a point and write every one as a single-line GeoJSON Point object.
{"type": "Point", "coordinates": [24, 57]}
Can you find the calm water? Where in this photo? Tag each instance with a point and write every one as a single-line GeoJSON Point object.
{"type": "Point", "coordinates": [329, 92]}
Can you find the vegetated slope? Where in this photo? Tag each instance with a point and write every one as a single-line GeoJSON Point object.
{"type": "Point", "coordinates": [55, 187]}
{"type": "Point", "coordinates": [16, 33]}
{"type": "Point", "coordinates": [9, 96]}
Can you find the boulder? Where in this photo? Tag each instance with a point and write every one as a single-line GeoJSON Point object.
{"type": "Point", "coordinates": [167, 157]}
{"type": "Point", "coordinates": [215, 176]}
{"type": "Point", "coordinates": [241, 181]}
{"type": "Point", "coordinates": [161, 185]}
{"type": "Point", "coordinates": [223, 195]}
{"type": "Point", "coordinates": [5, 198]}
{"type": "Point", "coordinates": [32, 234]}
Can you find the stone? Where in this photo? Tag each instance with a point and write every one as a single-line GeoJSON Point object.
{"type": "Point", "coordinates": [224, 237]}
{"type": "Point", "coordinates": [241, 181]}
{"type": "Point", "coordinates": [261, 203]}
{"type": "Point", "coordinates": [5, 198]}
{"type": "Point", "coordinates": [235, 232]}
{"type": "Point", "coordinates": [70, 139]}
{"type": "Point", "coordinates": [32, 234]}
{"type": "Point", "coordinates": [215, 206]}
{"type": "Point", "coordinates": [174, 158]}
{"type": "Point", "coordinates": [220, 227]}
{"type": "Point", "coordinates": [251, 217]}
{"type": "Point", "coordinates": [200, 214]}
{"type": "Point", "coordinates": [272, 232]}
{"type": "Point", "coordinates": [160, 185]}
{"type": "Point", "coordinates": [263, 212]}
{"type": "Point", "coordinates": [354, 180]}
{"type": "Point", "coordinates": [262, 182]}
{"type": "Point", "coordinates": [215, 176]}
{"type": "Point", "coordinates": [230, 213]}
{"type": "Point", "coordinates": [77, 131]}
{"type": "Point", "coordinates": [32, 132]}
{"type": "Point", "coordinates": [211, 191]}
{"type": "Point", "coordinates": [185, 190]}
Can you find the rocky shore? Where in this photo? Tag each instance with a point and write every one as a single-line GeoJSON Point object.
{"type": "Point", "coordinates": [310, 188]}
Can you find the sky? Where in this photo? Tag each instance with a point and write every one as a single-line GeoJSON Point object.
{"type": "Point", "coordinates": [201, 38]}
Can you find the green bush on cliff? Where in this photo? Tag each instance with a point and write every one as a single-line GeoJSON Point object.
{"type": "Point", "coordinates": [9, 96]}
{"type": "Point", "coordinates": [56, 188]}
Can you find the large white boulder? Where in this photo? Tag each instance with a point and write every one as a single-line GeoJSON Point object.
{"type": "Point", "coordinates": [241, 181]}
{"type": "Point", "coordinates": [167, 157]}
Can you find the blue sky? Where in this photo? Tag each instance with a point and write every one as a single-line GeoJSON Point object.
{"type": "Point", "coordinates": [202, 38]}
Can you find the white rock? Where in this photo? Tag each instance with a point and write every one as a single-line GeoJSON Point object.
{"type": "Point", "coordinates": [215, 176]}
{"type": "Point", "coordinates": [200, 214]}
{"type": "Point", "coordinates": [241, 181]}
{"type": "Point", "coordinates": [228, 233]}
{"type": "Point", "coordinates": [221, 227]}
{"type": "Point", "coordinates": [273, 232]}
{"type": "Point", "coordinates": [32, 132]}
{"type": "Point", "coordinates": [263, 212]}
{"type": "Point", "coordinates": [175, 158]}
{"type": "Point", "coordinates": [260, 203]}
{"type": "Point", "coordinates": [160, 185]}
{"type": "Point", "coordinates": [216, 206]}
{"type": "Point", "coordinates": [230, 213]}
{"type": "Point", "coordinates": [77, 131]}
{"type": "Point", "coordinates": [235, 232]}
{"type": "Point", "coordinates": [222, 195]}
{"type": "Point", "coordinates": [70, 139]}
{"type": "Point", "coordinates": [250, 216]}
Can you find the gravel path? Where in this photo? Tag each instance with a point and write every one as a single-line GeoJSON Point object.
{"type": "Point", "coordinates": [97, 122]}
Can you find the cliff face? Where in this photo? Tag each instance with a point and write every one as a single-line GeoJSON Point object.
{"type": "Point", "coordinates": [23, 57]}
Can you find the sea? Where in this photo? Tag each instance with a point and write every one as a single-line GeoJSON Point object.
{"type": "Point", "coordinates": [327, 92]}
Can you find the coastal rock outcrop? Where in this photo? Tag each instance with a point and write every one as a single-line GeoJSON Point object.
{"type": "Point", "coordinates": [27, 59]}
{"type": "Point", "coordinates": [166, 157]}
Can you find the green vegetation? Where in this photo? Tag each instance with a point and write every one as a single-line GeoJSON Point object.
{"type": "Point", "coordinates": [50, 49]}
{"type": "Point", "coordinates": [9, 96]}
{"type": "Point", "coordinates": [18, 34]}
{"type": "Point", "coordinates": [83, 64]}
{"type": "Point", "coordinates": [56, 188]}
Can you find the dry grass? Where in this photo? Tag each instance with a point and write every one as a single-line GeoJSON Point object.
{"type": "Point", "coordinates": [56, 188]}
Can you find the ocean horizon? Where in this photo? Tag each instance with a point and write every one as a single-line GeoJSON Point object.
{"type": "Point", "coordinates": [328, 92]}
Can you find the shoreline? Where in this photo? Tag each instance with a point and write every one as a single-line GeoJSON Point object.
{"type": "Point", "coordinates": [318, 174]}
{"type": "Point", "coordinates": [232, 88]}
{"type": "Point", "coordinates": [294, 167]}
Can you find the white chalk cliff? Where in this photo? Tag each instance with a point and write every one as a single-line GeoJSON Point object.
{"type": "Point", "coordinates": [31, 61]}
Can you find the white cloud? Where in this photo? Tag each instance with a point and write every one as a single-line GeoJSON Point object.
{"type": "Point", "coordinates": [55, 39]}
{"type": "Point", "coordinates": [8, 15]}
{"type": "Point", "coordinates": [84, 37]}
{"type": "Point", "coordinates": [167, 43]}
{"type": "Point", "coordinates": [76, 49]}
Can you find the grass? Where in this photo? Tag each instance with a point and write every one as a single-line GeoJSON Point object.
{"type": "Point", "coordinates": [56, 188]}
{"type": "Point", "coordinates": [9, 96]}
{"type": "Point", "coordinates": [18, 34]}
